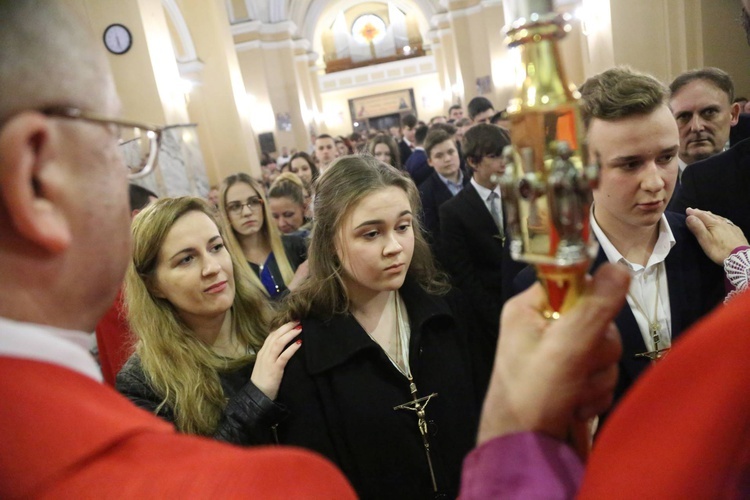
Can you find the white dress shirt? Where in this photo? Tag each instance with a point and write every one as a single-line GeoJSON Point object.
{"type": "Point", "coordinates": [643, 286]}
{"type": "Point", "coordinates": [67, 348]}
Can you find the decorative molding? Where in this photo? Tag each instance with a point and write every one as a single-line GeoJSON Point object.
{"type": "Point", "coordinates": [178, 21]}
{"type": "Point", "coordinates": [193, 67]}
{"type": "Point", "coordinates": [246, 27]}
{"type": "Point", "coordinates": [259, 44]}
{"type": "Point", "coordinates": [245, 46]}
{"type": "Point", "coordinates": [302, 44]}
{"type": "Point", "coordinates": [379, 73]}
{"type": "Point", "coordinates": [252, 12]}
{"type": "Point", "coordinates": [283, 27]}
{"type": "Point", "coordinates": [491, 3]}
{"type": "Point", "coordinates": [468, 11]}
{"type": "Point", "coordinates": [277, 11]}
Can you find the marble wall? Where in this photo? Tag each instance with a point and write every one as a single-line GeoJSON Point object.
{"type": "Point", "coordinates": [180, 168]}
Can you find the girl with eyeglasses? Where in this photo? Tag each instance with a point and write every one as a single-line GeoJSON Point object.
{"type": "Point", "coordinates": [279, 262]}
{"type": "Point", "coordinates": [203, 359]}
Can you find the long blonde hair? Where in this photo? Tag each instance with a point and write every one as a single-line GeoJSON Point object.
{"type": "Point", "coordinates": [338, 190]}
{"type": "Point", "coordinates": [181, 368]}
{"type": "Point", "coordinates": [269, 230]}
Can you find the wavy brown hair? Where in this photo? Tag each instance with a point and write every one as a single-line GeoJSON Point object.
{"type": "Point", "coordinates": [181, 368]}
{"type": "Point", "coordinates": [338, 190]}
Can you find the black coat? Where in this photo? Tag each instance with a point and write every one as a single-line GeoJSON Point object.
{"type": "Point", "coordinates": [720, 184]}
{"type": "Point", "coordinates": [341, 389]}
{"type": "Point", "coordinates": [249, 417]}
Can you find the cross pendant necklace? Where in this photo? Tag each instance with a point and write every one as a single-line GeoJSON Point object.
{"type": "Point", "coordinates": [417, 404]}
{"type": "Point", "coordinates": [654, 327]}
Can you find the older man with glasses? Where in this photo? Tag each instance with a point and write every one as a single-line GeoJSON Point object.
{"type": "Point", "coordinates": [64, 220]}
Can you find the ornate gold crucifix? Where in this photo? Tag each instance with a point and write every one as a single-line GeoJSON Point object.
{"type": "Point", "coordinates": [418, 405]}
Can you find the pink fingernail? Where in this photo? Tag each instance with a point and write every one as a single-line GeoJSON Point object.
{"type": "Point", "coordinates": [298, 327]}
{"type": "Point", "coordinates": [299, 342]}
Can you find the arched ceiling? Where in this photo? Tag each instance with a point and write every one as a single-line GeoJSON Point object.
{"type": "Point", "coordinates": [312, 16]}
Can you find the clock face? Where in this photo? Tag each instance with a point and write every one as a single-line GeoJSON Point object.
{"type": "Point", "coordinates": [117, 38]}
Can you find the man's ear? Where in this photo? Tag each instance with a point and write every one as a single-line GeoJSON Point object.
{"type": "Point", "coordinates": [31, 190]}
{"type": "Point", "coordinates": [734, 114]}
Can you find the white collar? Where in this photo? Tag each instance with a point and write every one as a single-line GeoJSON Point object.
{"type": "Point", "coordinates": [681, 164]}
{"type": "Point", "coordinates": [67, 348]}
{"type": "Point", "coordinates": [664, 244]}
{"type": "Point", "coordinates": [483, 192]}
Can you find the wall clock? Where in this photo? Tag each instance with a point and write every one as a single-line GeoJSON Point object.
{"type": "Point", "coordinates": [117, 39]}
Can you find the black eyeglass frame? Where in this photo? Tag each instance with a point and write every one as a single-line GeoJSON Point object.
{"type": "Point", "coordinates": [237, 209]}
{"type": "Point", "coordinates": [153, 133]}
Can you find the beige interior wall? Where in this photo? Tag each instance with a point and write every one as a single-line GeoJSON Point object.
{"type": "Point", "coordinates": [281, 79]}
{"type": "Point", "coordinates": [725, 45]}
{"type": "Point", "coordinates": [147, 77]}
{"type": "Point", "coordinates": [220, 98]}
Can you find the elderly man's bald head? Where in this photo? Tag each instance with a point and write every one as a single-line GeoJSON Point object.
{"type": "Point", "coordinates": [47, 58]}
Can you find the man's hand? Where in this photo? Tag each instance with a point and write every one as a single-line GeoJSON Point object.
{"type": "Point", "coordinates": [717, 235]}
{"type": "Point", "coordinates": [549, 373]}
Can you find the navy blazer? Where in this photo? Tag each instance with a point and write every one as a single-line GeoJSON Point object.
{"type": "Point", "coordinates": [417, 166]}
{"type": "Point", "coordinates": [720, 184]}
{"type": "Point", "coordinates": [404, 151]}
{"type": "Point", "coordinates": [433, 193]}
{"type": "Point", "coordinates": [696, 285]}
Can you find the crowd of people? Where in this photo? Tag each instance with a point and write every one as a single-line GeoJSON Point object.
{"type": "Point", "coordinates": [359, 304]}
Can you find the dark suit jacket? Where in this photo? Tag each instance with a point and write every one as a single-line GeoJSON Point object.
{"type": "Point", "coordinates": [417, 166]}
{"type": "Point", "coordinates": [404, 150]}
{"type": "Point", "coordinates": [434, 193]}
{"type": "Point", "coordinates": [696, 285]}
{"type": "Point", "coordinates": [720, 184]}
{"type": "Point", "coordinates": [740, 131]}
{"type": "Point", "coordinates": [472, 251]}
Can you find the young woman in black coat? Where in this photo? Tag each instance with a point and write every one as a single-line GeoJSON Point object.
{"type": "Point", "coordinates": [378, 334]}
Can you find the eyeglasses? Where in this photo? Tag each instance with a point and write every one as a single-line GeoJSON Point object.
{"type": "Point", "coordinates": [235, 207]}
{"type": "Point", "coordinates": [139, 143]}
